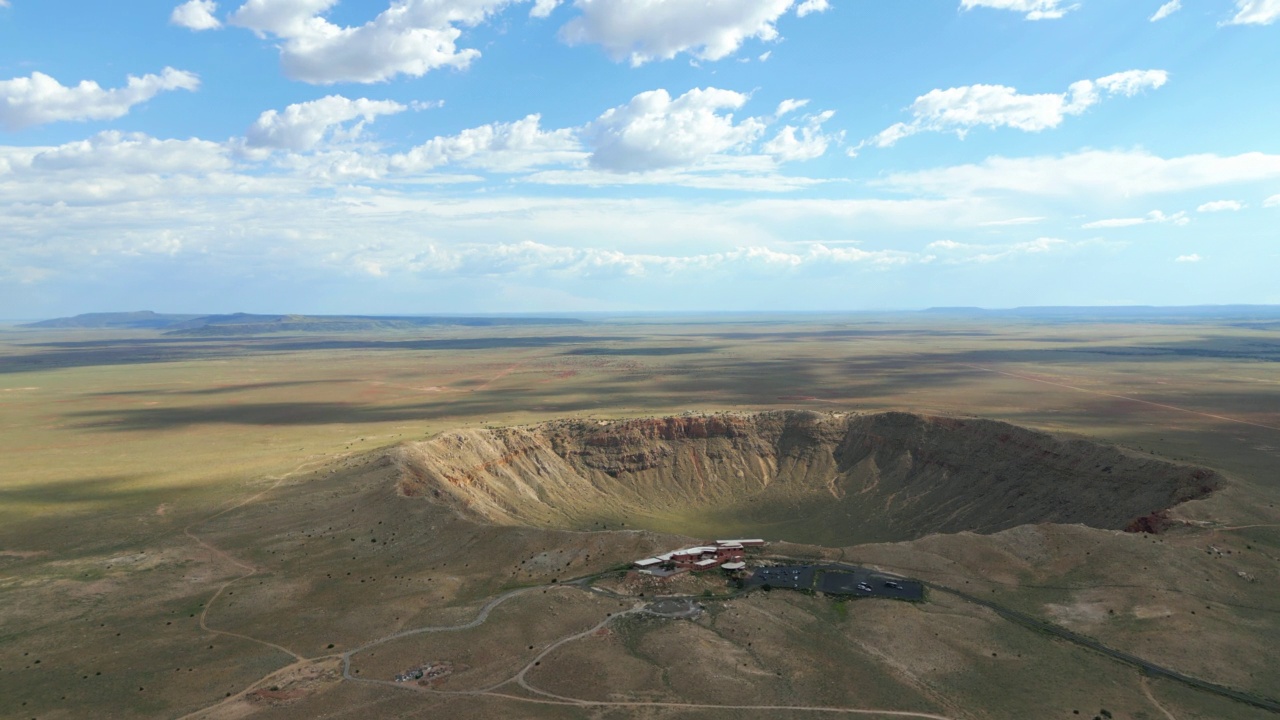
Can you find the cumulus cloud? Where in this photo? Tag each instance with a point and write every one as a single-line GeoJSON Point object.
{"type": "Point", "coordinates": [711, 176]}
{"type": "Point", "coordinates": [533, 258]}
{"type": "Point", "coordinates": [811, 143]}
{"type": "Point", "coordinates": [693, 140]}
{"type": "Point", "coordinates": [812, 6]}
{"type": "Point", "coordinates": [196, 15]}
{"type": "Point", "coordinates": [1092, 173]}
{"type": "Point", "coordinates": [1153, 217]}
{"type": "Point", "coordinates": [115, 167]}
{"type": "Point", "coordinates": [131, 153]}
{"type": "Point", "coordinates": [411, 37]}
{"type": "Point", "coordinates": [954, 253]}
{"type": "Point", "coordinates": [647, 30]}
{"type": "Point", "coordinates": [40, 99]}
{"type": "Point", "coordinates": [1034, 9]}
{"type": "Point", "coordinates": [501, 147]}
{"type": "Point", "coordinates": [1221, 206]}
{"type": "Point", "coordinates": [1166, 10]}
{"type": "Point", "coordinates": [303, 125]}
{"type": "Point", "coordinates": [543, 8]}
{"type": "Point", "coordinates": [654, 131]}
{"type": "Point", "coordinates": [786, 107]}
{"type": "Point", "coordinates": [1192, 258]}
{"type": "Point", "coordinates": [1273, 201]}
{"type": "Point", "coordinates": [961, 109]}
{"type": "Point", "coordinates": [1255, 12]}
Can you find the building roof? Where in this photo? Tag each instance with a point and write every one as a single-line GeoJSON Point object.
{"type": "Point", "coordinates": [710, 562]}
{"type": "Point", "coordinates": [747, 541]}
{"type": "Point", "coordinates": [734, 566]}
{"type": "Point", "coordinates": [700, 550]}
{"type": "Point", "coordinates": [647, 562]}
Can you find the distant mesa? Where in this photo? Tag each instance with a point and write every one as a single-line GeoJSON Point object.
{"type": "Point", "coordinates": [250, 324]}
{"type": "Point", "coordinates": [827, 479]}
{"type": "Point", "coordinates": [142, 320]}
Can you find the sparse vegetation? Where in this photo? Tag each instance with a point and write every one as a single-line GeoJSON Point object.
{"type": "Point", "coordinates": [117, 442]}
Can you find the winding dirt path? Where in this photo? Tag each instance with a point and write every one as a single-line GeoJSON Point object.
{"type": "Point", "coordinates": [549, 698]}
{"type": "Point", "coordinates": [477, 621]}
{"type": "Point", "coordinates": [1146, 690]}
{"type": "Point", "coordinates": [249, 570]}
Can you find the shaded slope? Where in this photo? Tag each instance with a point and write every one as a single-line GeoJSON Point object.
{"type": "Point", "coordinates": [802, 476]}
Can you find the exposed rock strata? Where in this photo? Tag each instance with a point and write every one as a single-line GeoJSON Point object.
{"type": "Point", "coordinates": [801, 476]}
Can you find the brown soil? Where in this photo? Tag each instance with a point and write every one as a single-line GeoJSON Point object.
{"type": "Point", "coordinates": [829, 479]}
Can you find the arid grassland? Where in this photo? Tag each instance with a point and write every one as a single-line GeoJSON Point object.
{"type": "Point", "coordinates": [275, 526]}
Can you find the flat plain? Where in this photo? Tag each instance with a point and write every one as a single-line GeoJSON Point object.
{"type": "Point", "coordinates": [214, 527]}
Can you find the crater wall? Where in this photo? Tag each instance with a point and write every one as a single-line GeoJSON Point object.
{"type": "Point", "coordinates": [807, 477]}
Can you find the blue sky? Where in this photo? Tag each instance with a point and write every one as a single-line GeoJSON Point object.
{"type": "Point", "coordinates": [420, 156]}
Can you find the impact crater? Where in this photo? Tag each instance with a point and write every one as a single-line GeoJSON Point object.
{"type": "Point", "coordinates": [820, 478]}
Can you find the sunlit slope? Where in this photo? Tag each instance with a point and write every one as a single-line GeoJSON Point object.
{"type": "Point", "coordinates": [824, 478]}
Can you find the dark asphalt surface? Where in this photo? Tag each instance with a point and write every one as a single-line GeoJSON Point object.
{"type": "Point", "coordinates": [837, 579]}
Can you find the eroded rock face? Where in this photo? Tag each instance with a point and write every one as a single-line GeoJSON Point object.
{"type": "Point", "coordinates": [801, 476]}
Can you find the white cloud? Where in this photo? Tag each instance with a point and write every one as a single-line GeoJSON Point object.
{"type": "Point", "coordinates": [303, 125]}
{"type": "Point", "coordinates": [1127, 83]}
{"type": "Point", "coordinates": [411, 37]}
{"type": "Point", "coordinates": [961, 109]}
{"type": "Point", "coordinates": [543, 8]}
{"type": "Point", "coordinates": [196, 15]}
{"type": "Point", "coordinates": [41, 99]}
{"type": "Point", "coordinates": [654, 131]}
{"type": "Point", "coordinates": [1192, 258]}
{"type": "Point", "coordinates": [1255, 12]}
{"type": "Point", "coordinates": [812, 142]}
{"type": "Point", "coordinates": [1166, 10]}
{"type": "Point", "coordinates": [646, 30]}
{"type": "Point", "coordinates": [1031, 220]}
{"type": "Point", "coordinates": [710, 176]}
{"type": "Point", "coordinates": [953, 252]}
{"type": "Point", "coordinates": [1221, 206]}
{"type": "Point", "coordinates": [1273, 201]}
{"type": "Point", "coordinates": [789, 106]}
{"type": "Point", "coordinates": [114, 167]}
{"type": "Point", "coordinates": [131, 153]}
{"type": "Point", "coordinates": [501, 147]}
{"type": "Point", "coordinates": [1034, 9]}
{"type": "Point", "coordinates": [812, 6]}
{"type": "Point", "coordinates": [1155, 217]}
{"type": "Point", "coordinates": [1090, 174]}
{"type": "Point", "coordinates": [532, 258]}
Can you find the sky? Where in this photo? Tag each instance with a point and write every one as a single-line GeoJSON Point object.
{"type": "Point", "coordinates": [455, 156]}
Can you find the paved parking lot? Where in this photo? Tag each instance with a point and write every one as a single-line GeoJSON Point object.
{"type": "Point", "coordinates": [790, 577]}
{"type": "Point", "coordinates": [836, 580]}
